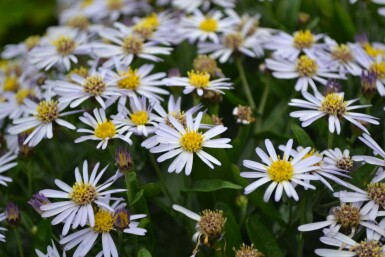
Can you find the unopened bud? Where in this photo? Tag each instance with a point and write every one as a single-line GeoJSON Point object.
{"type": "Point", "coordinates": [123, 160]}
{"type": "Point", "coordinates": [12, 214]}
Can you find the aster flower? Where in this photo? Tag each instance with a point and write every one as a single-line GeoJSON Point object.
{"type": "Point", "coordinates": [138, 82]}
{"type": "Point", "coordinates": [348, 218]}
{"type": "Point", "coordinates": [335, 159]}
{"type": "Point", "coordinates": [51, 251]}
{"type": "Point", "coordinates": [199, 81]}
{"type": "Point", "coordinates": [82, 88]}
{"type": "Point", "coordinates": [210, 225]}
{"type": "Point", "coordinates": [367, 140]}
{"type": "Point", "coordinates": [6, 164]}
{"type": "Point", "coordinates": [203, 27]}
{"type": "Point", "coordinates": [286, 46]}
{"type": "Point", "coordinates": [104, 225]}
{"type": "Point", "coordinates": [80, 199]}
{"type": "Point", "coordinates": [191, 6]}
{"type": "Point", "coordinates": [377, 67]}
{"type": "Point", "coordinates": [372, 198]}
{"type": "Point", "coordinates": [103, 129]}
{"type": "Point", "coordinates": [184, 141]}
{"type": "Point", "coordinates": [60, 49]}
{"type": "Point", "coordinates": [139, 120]}
{"type": "Point", "coordinates": [40, 119]}
{"type": "Point", "coordinates": [281, 172]}
{"type": "Point", "coordinates": [348, 247]}
{"type": "Point", "coordinates": [334, 107]}
{"type": "Point", "coordinates": [20, 49]}
{"type": "Point", "coordinates": [13, 106]}
{"type": "Point", "coordinates": [306, 68]}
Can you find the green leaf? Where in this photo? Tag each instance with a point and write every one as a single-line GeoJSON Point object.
{"type": "Point", "coordinates": [137, 197]}
{"type": "Point", "coordinates": [262, 238]}
{"type": "Point", "coordinates": [211, 185]}
{"type": "Point", "coordinates": [143, 252]}
{"type": "Point", "coordinates": [302, 137]}
{"type": "Point", "coordinates": [152, 190]}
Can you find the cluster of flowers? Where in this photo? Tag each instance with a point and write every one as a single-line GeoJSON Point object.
{"type": "Point", "coordinates": [88, 65]}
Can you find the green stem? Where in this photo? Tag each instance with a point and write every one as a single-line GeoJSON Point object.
{"type": "Point", "coordinates": [129, 194]}
{"type": "Point", "coordinates": [262, 104]}
{"type": "Point", "coordinates": [19, 245]}
{"type": "Point", "coordinates": [245, 84]}
{"type": "Point", "coordinates": [30, 178]}
{"type": "Point", "coordinates": [330, 140]}
{"type": "Point", "coordinates": [120, 241]}
{"type": "Point", "coordinates": [161, 178]}
{"type": "Point", "coordinates": [301, 242]}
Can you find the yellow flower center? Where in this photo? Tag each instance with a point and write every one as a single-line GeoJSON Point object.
{"type": "Point", "coordinates": [348, 216]}
{"type": "Point", "coordinates": [372, 51]}
{"type": "Point", "coordinates": [146, 26]}
{"type": "Point", "coordinates": [376, 192]}
{"type": "Point", "coordinates": [104, 221]}
{"type": "Point", "coordinates": [192, 141]}
{"type": "Point", "coordinates": [86, 3]}
{"type": "Point", "coordinates": [303, 39]}
{"type": "Point", "coordinates": [342, 53]}
{"type": "Point", "coordinates": [372, 248]}
{"type": "Point", "coordinates": [105, 130]}
{"type": "Point", "coordinates": [94, 85]}
{"type": "Point", "coordinates": [81, 71]}
{"type": "Point", "coordinates": [333, 104]}
{"type": "Point", "coordinates": [64, 45]}
{"type": "Point", "coordinates": [32, 41]}
{"type": "Point", "coordinates": [79, 21]}
{"type": "Point", "coordinates": [11, 83]}
{"type": "Point", "coordinates": [132, 45]}
{"type": "Point", "coordinates": [280, 170]}
{"type": "Point", "coordinates": [209, 25]}
{"type": "Point", "coordinates": [21, 95]}
{"type": "Point", "coordinates": [139, 118]}
{"type": "Point", "coordinates": [379, 69]}
{"type": "Point", "coordinates": [131, 80]}
{"type": "Point", "coordinates": [199, 79]}
{"type": "Point", "coordinates": [306, 67]}
{"type": "Point", "coordinates": [233, 40]}
{"type": "Point", "coordinates": [114, 4]}
{"type": "Point", "coordinates": [47, 111]}
{"type": "Point", "coordinates": [83, 193]}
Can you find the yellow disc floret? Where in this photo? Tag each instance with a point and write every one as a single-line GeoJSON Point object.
{"type": "Point", "coordinates": [132, 45]}
{"type": "Point", "coordinates": [209, 25]}
{"type": "Point", "coordinates": [131, 80]}
{"type": "Point", "coordinates": [303, 39]}
{"type": "Point", "coordinates": [65, 45]}
{"type": "Point", "coordinates": [280, 170]}
{"type": "Point", "coordinates": [47, 111]}
{"type": "Point", "coordinates": [11, 83]}
{"type": "Point", "coordinates": [83, 193]}
{"type": "Point", "coordinates": [94, 85]}
{"type": "Point", "coordinates": [104, 221]}
{"type": "Point", "coordinates": [233, 40]}
{"type": "Point", "coordinates": [306, 67]}
{"type": "Point", "coordinates": [379, 69]}
{"type": "Point", "coordinates": [192, 141]}
{"type": "Point", "coordinates": [333, 104]}
{"type": "Point", "coordinates": [372, 248]}
{"type": "Point", "coordinates": [342, 53]}
{"type": "Point", "coordinates": [114, 4]}
{"type": "Point", "coordinates": [22, 94]}
{"type": "Point", "coordinates": [373, 51]}
{"type": "Point", "coordinates": [139, 118]}
{"type": "Point", "coordinates": [32, 41]}
{"type": "Point", "coordinates": [199, 79]}
{"type": "Point", "coordinates": [105, 130]}
{"type": "Point", "coordinates": [146, 26]}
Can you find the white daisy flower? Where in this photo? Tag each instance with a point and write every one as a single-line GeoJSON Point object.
{"type": "Point", "coordinates": [183, 142]}
{"type": "Point", "coordinates": [139, 120]}
{"type": "Point", "coordinates": [2, 237]}
{"type": "Point", "coordinates": [209, 227]}
{"type": "Point", "coordinates": [80, 199]}
{"type": "Point", "coordinates": [42, 116]}
{"type": "Point", "coordinates": [123, 48]}
{"type": "Point", "coordinates": [174, 109]}
{"type": "Point", "coordinates": [80, 89]}
{"type": "Point", "coordinates": [203, 27]}
{"type": "Point", "coordinates": [103, 129]}
{"type": "Point", "coordinates": [367, 140]}
{"type": "Point", "coordinates": [59, 49]}
{"type": "Point", "coordinates": [13, 106]}
{"type": "Point", "coordinates": [347, 247]}
{"type": "Point", "coordinates": [199, 81]}
{"type": "Point", "coordinates": [21, 49]}
{"type": "Point", "coordinates": [191, 6]}
{"type": "Point", "coordinates": [335, 159]}
{"type": "Point", "coordinates": [373, 197]}
{"type": "Point", "coordinates": [334, 107]}
{"type": "Point", "coordinates": [286, 46]}
{"type": "Point", "coordinates": [280, 172]}
{"type": "Point", "coordinates": [51, 252]}
{"type": "Point", "coordinates": [306, 68]}
{"type": "Point", "coordinates": [103, 226]}
{"type": "Point", "coordinates": [138, 82]}
{"type": "Point", "coordinates": [6, 164]}
{"type": "Point", "coordinates": [348, 218]}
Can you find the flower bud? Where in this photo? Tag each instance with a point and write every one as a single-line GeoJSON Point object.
{"type": "Point", "coordinates": [37, 201]}
{"type": "Point", "coordinates": [12, 214]}
{"type": "Point", "coordinates": [123, 160]}
{"type": "Point", "coordinates": [121, 219]}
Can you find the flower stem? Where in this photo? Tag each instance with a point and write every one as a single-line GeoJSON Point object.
{"type": "Point", "coordinates": [262, 104]}
{"type": "Point", "coordinates": [301, 239]}
{"type": "Point", "coordinates": [245, 84]}
{"type": "Point", "coordinates": [129, 193]}
{"type": "Point", "coordinates": [120, 241]}
{"type": "Point", "coordinates": [330, 140]}
{"type": "Point", "coordinates": [30, 178]}
{"type": "Point", "coordinates": [19, 245]}
{"type": "Point", "coordinates": [161, 178]}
